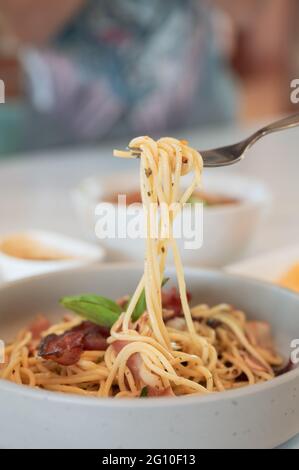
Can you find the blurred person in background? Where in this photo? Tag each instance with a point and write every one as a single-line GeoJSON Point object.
{"type": "Point", "coordinates": [102, 68]}
{"type": "Point", "coordinates": [265, 58]}
{"type": "Point", "coordinates": [90, 69]}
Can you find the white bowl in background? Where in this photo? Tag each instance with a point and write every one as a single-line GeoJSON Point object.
{"type": "Point", "coordinates": [227, 229]}
{"type": "Point", "coordinates": [80, 253]}
{"type": "Point", "coordinates": [258, 416]}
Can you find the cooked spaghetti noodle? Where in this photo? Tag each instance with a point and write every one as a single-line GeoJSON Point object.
{"type": "Point", "coordinates": [195, 350]}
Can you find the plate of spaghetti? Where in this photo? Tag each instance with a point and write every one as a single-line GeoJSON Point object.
{"type": "Point", "coordinates": [120, 356]}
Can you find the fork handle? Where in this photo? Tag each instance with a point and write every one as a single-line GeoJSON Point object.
{"type": "Point", "coordinates": [285, 123]}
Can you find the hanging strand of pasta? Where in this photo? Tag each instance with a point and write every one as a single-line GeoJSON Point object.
{"type": "Point", "coordinates": [176, 159]}
{"type": "Point", "coordinates": [161, 169]}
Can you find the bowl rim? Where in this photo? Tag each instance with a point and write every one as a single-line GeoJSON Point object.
{"type": "Point", "coordinates": [229, 395]}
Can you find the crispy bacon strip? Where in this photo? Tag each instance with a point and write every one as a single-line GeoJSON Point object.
{"type": "Point", "coordinates": [171, 301]}
{"type": "Point", "coordinates": [66, 349]}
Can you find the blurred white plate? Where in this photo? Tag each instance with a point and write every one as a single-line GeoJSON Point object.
{"type": "Point", "coordinates": [268, 267]}
{"type": "Point", "coordinates": [80, 253]}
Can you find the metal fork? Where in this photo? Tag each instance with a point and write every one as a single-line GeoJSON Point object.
{"type": "Point", "coordinates": [224, 156]}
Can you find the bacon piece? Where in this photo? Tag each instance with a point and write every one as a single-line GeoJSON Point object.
{"type": "Point", "coordinates": [142, 322]}
{"type": "Point", "coordinates": [134, 362]}
{"type": "Point", "coordinates": [40, 324]}
{"type": "Point", "coordinates": [94, 336]}
{"type": "Point", "coordinates": [66, 349]}
{"type": "Point", "coordinates": [171, 301]}
{"type": "Point", "coordinates": [119, 345]}
{"type": "Point", "coordinates": [141, 376]}
{"type": "Point", "coordinates": [254, 363]}
{"type": "Point", "coordinates": [259, 334]}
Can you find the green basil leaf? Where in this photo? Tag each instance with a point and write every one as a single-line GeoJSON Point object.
{"type": "Point", "coordinates": [98, 309]}
{"type": "Point", "coordinates": [140, 307]}
{"type": "Point", "coordinates": [141, 304]}
{"type": "Point", "coordinates": [144, 392]}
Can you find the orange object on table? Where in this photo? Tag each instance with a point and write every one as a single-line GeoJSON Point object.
{"type": "Point", "coordinates": [291, 278]}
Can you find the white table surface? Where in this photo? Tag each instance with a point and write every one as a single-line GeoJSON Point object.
{"type": "Point", "coordinates": [34, 189]}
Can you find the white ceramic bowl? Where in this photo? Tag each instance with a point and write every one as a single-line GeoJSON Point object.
{"type": "Point", "coordinates": [227, 229]}
{"type": "Point", "coordinates": [80, 253]}
{"type": "Point", "coordinates": [259, 416]}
